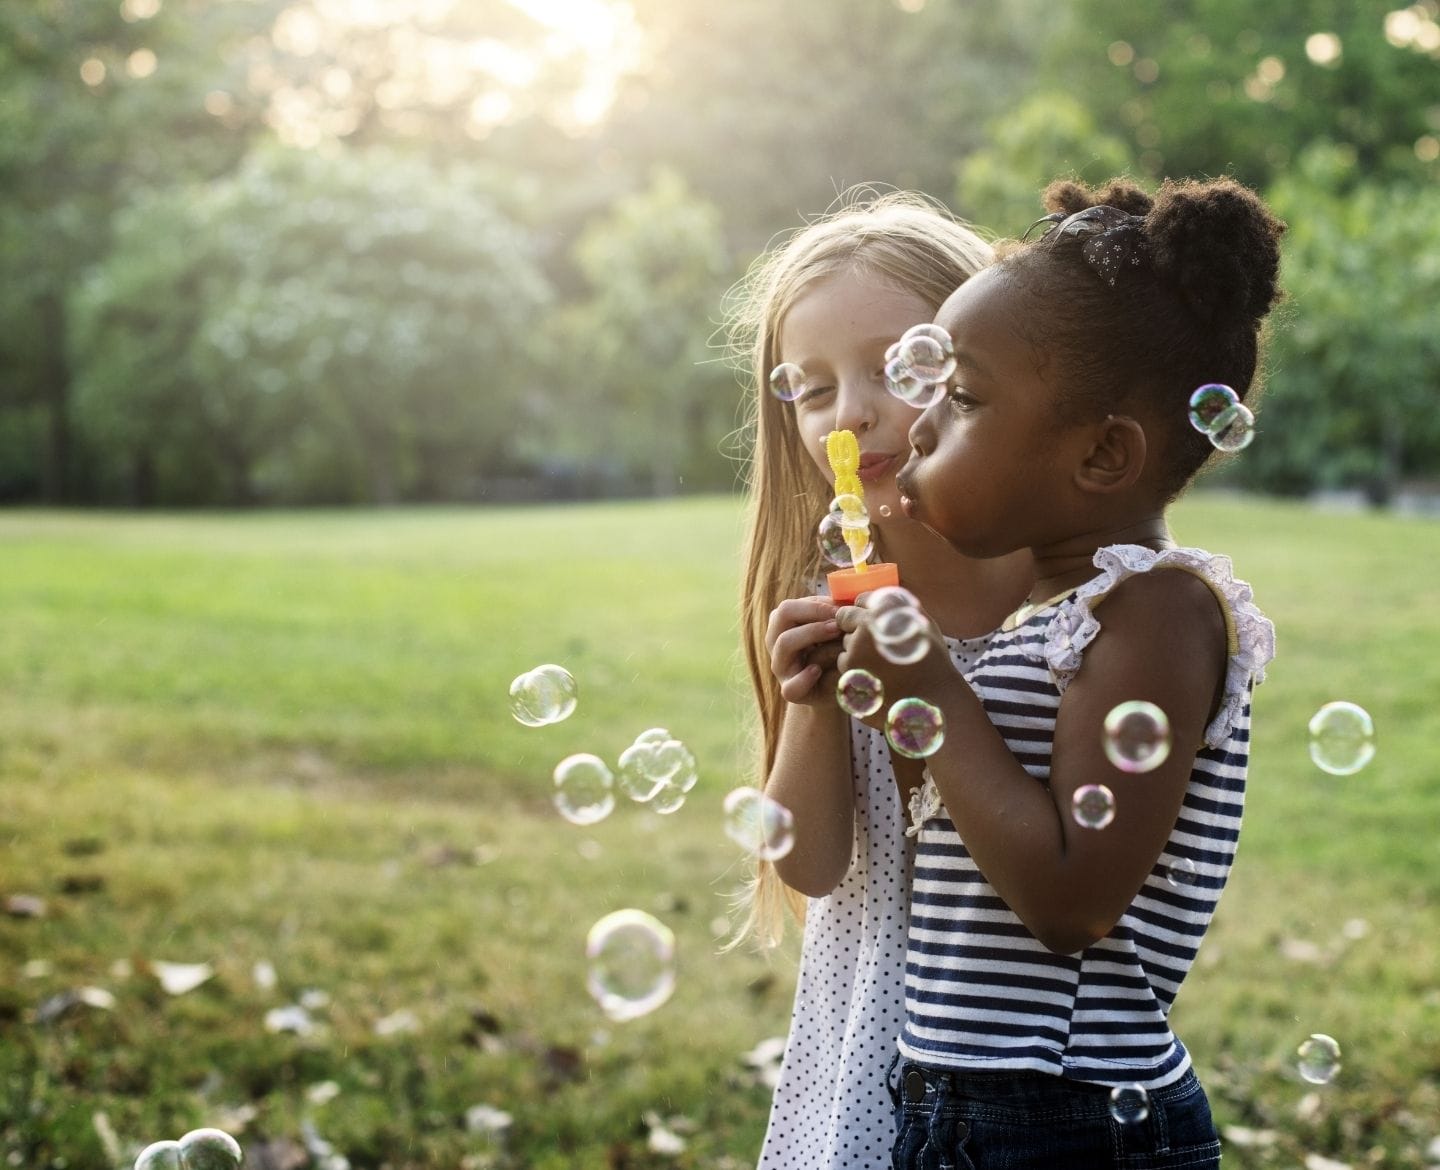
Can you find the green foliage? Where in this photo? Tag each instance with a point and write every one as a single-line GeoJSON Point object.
{"type": "Point", "coordinates": [1048, 136]}
{"type": "Point", "coordinates": [646, 395]}
{"type": "Point", "coordinates": [283, 738]}
{"type": "Point", "coordinates": [346, 326]}
{"type": "Point", "coordinates": [1356, 362]}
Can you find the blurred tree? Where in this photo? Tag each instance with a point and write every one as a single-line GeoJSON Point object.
{"type": "Point", "coordinates": [647, 397]}
{"type": "Point", "coordinates": [771, 110]}
{"type": "Point", "coordinates": [1209, 87]}
{"type": "Point", "coordinates": [359, 326]}
{"type": "Point", "coordinates": [96, 100]}
{"type": "Point", "coordinates": [1356, 362]}
{"type": "Point", "coordinates": [1046, 136]}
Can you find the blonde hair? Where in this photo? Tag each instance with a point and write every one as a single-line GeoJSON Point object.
{"type": "Point", "coordinates": [906, 240]}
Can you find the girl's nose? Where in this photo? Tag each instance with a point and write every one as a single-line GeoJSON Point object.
{"type": "Point", "coordinates": [922, 433]}
{"type": "Point", "coordinates": [855, 408]}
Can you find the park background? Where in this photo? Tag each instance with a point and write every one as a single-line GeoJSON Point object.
{"type": "Point", "coordinates": [269, 271]}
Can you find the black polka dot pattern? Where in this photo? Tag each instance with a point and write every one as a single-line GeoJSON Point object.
{"type": "Point", "coordinates": [831, 1108]}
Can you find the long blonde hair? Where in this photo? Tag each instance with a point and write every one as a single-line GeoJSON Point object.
{"type": "Point", "coordinates": [908, 241]}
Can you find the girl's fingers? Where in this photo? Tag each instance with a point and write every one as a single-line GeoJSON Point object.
{"type": "Point", "coordinates": [799, 685]}
{"type": "Point", "coordinates": [797, 611]}
{"type": "Point", "coordinates": [794, 645]}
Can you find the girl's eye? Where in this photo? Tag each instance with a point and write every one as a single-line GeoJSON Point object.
{"type": "Point", "coordinates": [960, 398]}
{"type": "Point", "coordinates": [812, 394]}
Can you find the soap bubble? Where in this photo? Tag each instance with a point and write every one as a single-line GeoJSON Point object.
{"type": "Point", "coordinates": [1234, 430]}
{"type": "Point", "coordinates": [669, 799]}
{"type": "Point", "coordinates": [849, 511]}
{"type": "Point", "coordinates": [901, 633]}
{"type": "Point", "coordinates": [833, 546]}
{"type": "Point", "coordinates": [209, 1149]}
{"type": "Point", "coordinates": [927, 353]}
{"type": "Point", "coordinates": [200, 1149]}
{"type": "Point", "coordinates": [1182, 872]}
{"type": "Point", "coordinates": [1319, 1059]}
{"type": "Point", "coordinates": [903, 384]}
{"type": "Point", "coordinates": [160, 1156]}
{"type": "Point", "coordinates": [1137, 736]}
{"type": "Point", "coordinates": [1129, 1104]}
{"type": "Point", "coordinates": [889, 597]}
{"type": "Point", "coordinates": [1342, 738]}
{"type": "Point", "coordinates": [759, 824]}
{"type": "Point", "coordinates": [884, 511]}
{"type": "Point", "coordinates": [1093, 806]}
{"type": "Point", "coordinates": [859, 693]}
{"type": "Point", "coordinates": [657, 761]}
{"type": "Point", "coordinates": [787, 381]}
{"type": "Point", "coordinates": [915, 728]}
{"type": "Point", "coordinates": [1208, 403]}
{"type": "Point", "coordinates": [584, 789]}
{"type": "Point", "coordinates": [631, 964]}
{"type": "Point", "coordinates": [544, 695]}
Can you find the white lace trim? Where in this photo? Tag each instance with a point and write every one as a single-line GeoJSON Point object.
{"type": "Point", "coordinates": [1074, 625]}
{"type": "Point", "coordinates": [924, 804]}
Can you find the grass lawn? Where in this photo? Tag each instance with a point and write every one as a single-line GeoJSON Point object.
{"type": "Point", "coordinates": [282, 741]}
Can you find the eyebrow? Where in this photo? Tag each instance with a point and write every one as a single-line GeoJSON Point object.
{"type": "Point", "coordinates": [966, 360]}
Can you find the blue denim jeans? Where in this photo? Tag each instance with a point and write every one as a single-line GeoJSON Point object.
{"type": "Point", "coordinates": [948, 1120]}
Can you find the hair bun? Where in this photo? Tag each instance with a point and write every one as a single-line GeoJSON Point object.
{"type": "Point", "coordinates": [1069, 196]}
{"type": "Point", "coordinates": [1219, 245]}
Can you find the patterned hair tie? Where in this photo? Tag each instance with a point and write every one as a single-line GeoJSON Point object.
{"type": "Point", "coordinates": [1113, 239]}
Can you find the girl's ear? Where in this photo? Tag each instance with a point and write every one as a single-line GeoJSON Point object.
{"type": "Point", "coordinates": [1116, 456]}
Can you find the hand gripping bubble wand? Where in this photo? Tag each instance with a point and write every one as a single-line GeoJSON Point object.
{"type": "Point", "coordinates": [842, 450]}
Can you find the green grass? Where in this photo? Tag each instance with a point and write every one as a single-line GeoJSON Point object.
{"type": "Point", "coordinates": [285, 738]}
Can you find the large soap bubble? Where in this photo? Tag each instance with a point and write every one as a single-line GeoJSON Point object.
{"type": "Point", "coordinates": [1342, 738]}
{"type": "Point", "coordinates": [631, 958]}
{"type": "Point", "coordinates": [544, 695]}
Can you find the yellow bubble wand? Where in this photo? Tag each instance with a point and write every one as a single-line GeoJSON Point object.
{"type": "Point", "coordinates": [842, 451]}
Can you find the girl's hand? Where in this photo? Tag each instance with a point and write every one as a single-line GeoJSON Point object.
{"type": "Point", "coordinates": [804, 642]}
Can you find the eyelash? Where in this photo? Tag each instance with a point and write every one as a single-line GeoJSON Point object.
{"type": "Point", "coordinates": [960, 398]}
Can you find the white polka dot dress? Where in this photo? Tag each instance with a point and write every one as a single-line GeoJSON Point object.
{"type": "Point", "coordinates": [831, 1108]}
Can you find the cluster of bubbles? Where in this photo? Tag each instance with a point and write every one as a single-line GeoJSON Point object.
{"type": "Point", "coordinates": [1342, 738]}
{"type": "Point", "coordinates": [630, 959]}
{"type": "Point", "coordinates": [1129, 1104]}
{"type": "Point", "coordinates": [759, 824]}
{"type": "Point", "coordinates": [547, 694]}
{"type": "Point", "coordinates": [898, 625]}
{"type": "Point", "coordinates": [1217, 413]}
{"type": "Point", "coordinates": [1137, 736]}
{"type": "Point", "coordinates": [844, 533]}
{"type": "Point", "coordinates": [919, 364]}
{"type": "Point", "coordinates": [1318, 1059]}
{"type": "Point", "coordinates": [200, 1149]}
{"type": "Point", "coordinates": [657, 769]}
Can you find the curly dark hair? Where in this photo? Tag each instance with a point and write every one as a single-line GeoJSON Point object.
{"type": "Point", "coordinates": [1189, 311]}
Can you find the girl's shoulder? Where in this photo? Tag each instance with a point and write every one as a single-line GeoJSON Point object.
{"type": "Point", "coordinates": [1249, 634]}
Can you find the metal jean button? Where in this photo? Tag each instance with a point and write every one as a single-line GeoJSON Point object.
{"type": "Point", "coordinates": [914, 1085]}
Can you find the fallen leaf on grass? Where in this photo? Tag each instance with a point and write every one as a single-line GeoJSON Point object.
{"type": "Point", "coordinates": [64, 1002]}
{"type": "Point", "coordinates": [397, 1022]}
{"type": "Point", "coordinates": [25, 906]}
{"type": "Point", "coordinates": [292, 1018]}
{"type": "Point", "coordinates": [1316, 1162]}
{"type": "Point", "coordinates": [488, 1120]}
{"type": "Point", "coordinates": [1243, 1135]}
{"type": "Point", "coordinates": [181, 978]}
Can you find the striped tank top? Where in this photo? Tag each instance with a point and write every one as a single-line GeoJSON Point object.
{"type": "Point", "coordinates": [981, 992]}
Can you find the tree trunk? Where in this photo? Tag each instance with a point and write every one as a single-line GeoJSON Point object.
{"type": "Point", "coordinates": [55, 397]}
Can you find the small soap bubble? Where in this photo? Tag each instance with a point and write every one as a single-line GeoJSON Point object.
{"type": "Point", "coordinates": [1234, 430]}
{"type": "Point", "coordinates": [833, 546]}
{"type": "Point", "coordinates": [787, 381]}
{"type": "Point", "coordinates": [1093, 806]}
{"type": "Point", "coordinates": [636, 775]}
{"type": "Point", "coordinates": [884, 511]}
{"type": "Point", "coordinates": [1129, 1104]}
{"type": "Point", "coordinates": [160, 1156]}
{"type": "Point", "coordinates": [669, 799]}
{"type": "Point", "coordinates": [547, 694]}
{"type": "Point", "coordinates": [209, 1149]}
{"type": "Point", "coordinates": [1137, 736]}
{"type": "Point", "coordinates": [631, 958]}
{"type": "Point", "coordinates": [584, 789]}
{"type": "Point", "coordinates": [759, 824]}
{"type": "Point", "coordinates": [1342, 738]}
{"type": "Point", "coordinates": [1208, 403]}
{"type": "Point", "coordinates": [1181, 873]}
{"type": "Point", "coordinates": [915, 728]}
{"type": "Point", "coordinates": [1319, 1059]}
{"type": "Point", "coordinates": [654, 762]}
{"type": "Point", "coordinates": [859, 693]}
{"type": "Point", "coordinates": [849, 511]}
{"type": "Point", "coordinates": [905, 386]}
{"type": "Point", "coordinates": [889, 597]}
